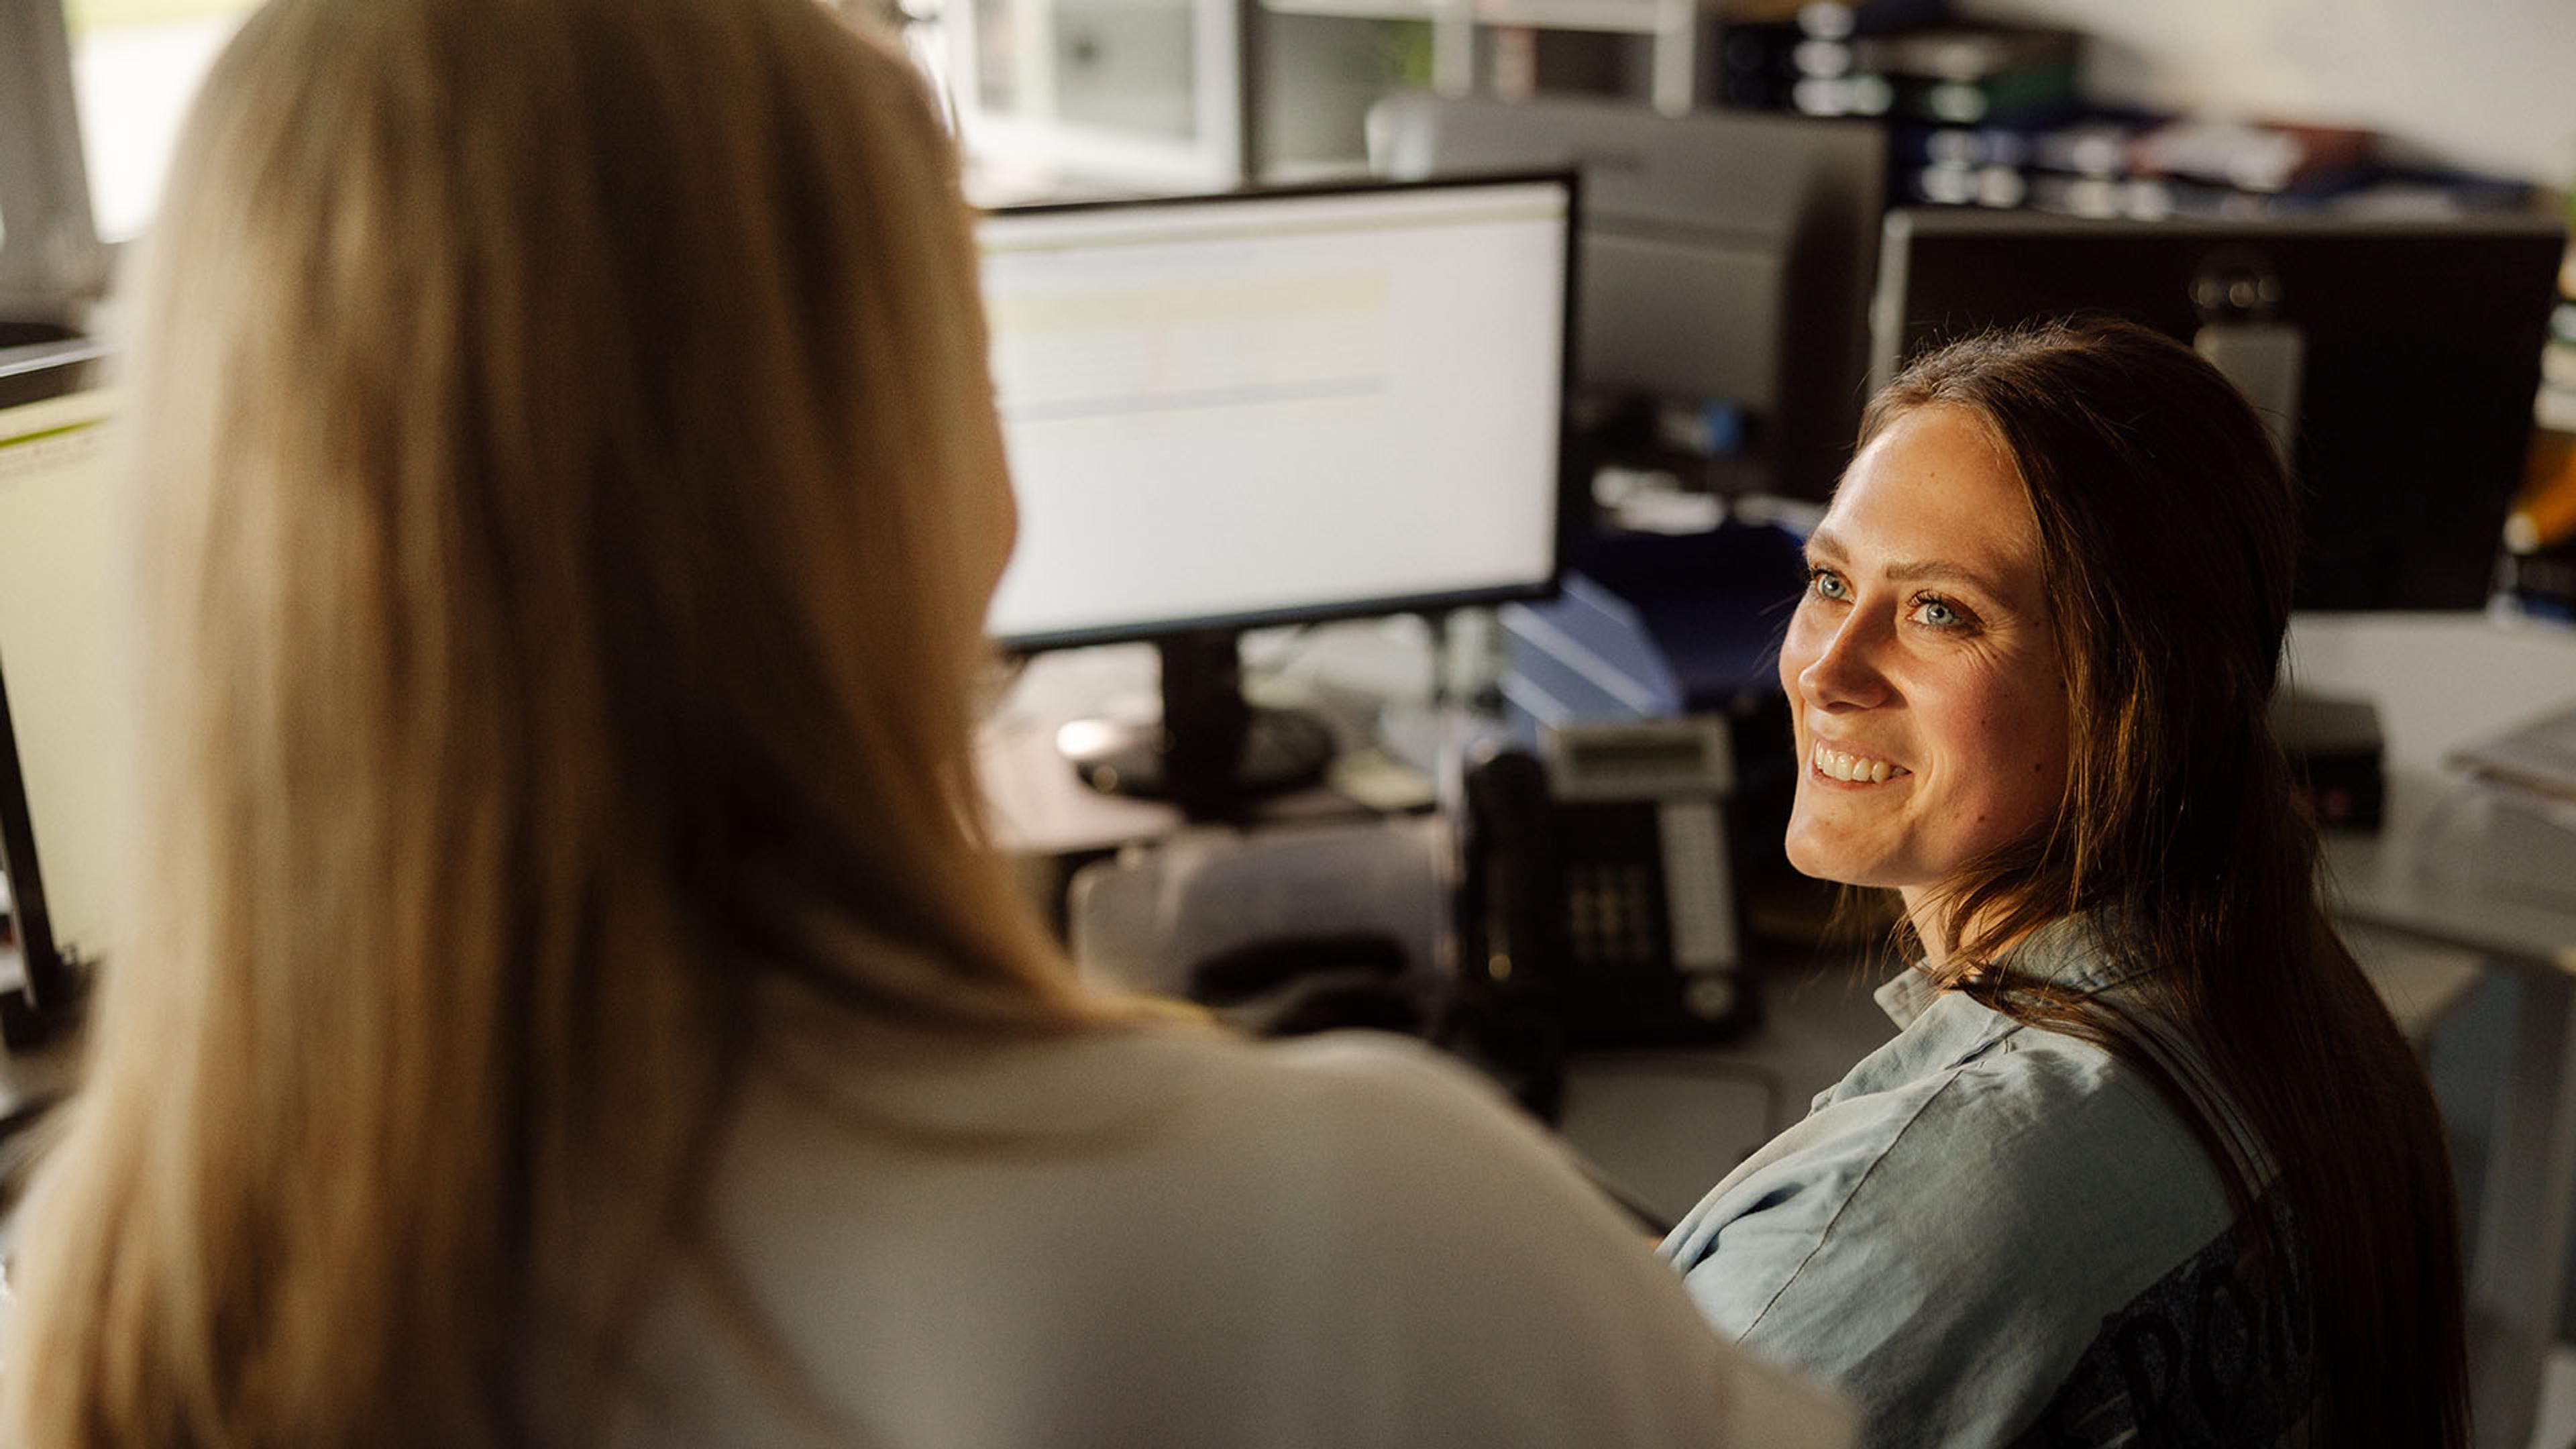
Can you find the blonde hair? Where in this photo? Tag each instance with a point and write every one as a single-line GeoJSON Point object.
{"type": "Point", "coordinates": [570, 496]}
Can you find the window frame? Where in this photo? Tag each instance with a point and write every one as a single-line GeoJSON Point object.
{"type": "Point", "coordinates": [51, 259]}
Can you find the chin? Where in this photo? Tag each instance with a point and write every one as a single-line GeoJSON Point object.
{"type": "Point", "coordinates": [1815, 853]}
{"type": "Point", "coordinates": [1823, 861]}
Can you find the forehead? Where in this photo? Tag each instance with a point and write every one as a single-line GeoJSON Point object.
{"type": "Point", "coordinates": [1936, 487]}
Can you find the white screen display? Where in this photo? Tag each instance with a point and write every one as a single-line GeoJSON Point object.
{"type": "Point", "coordinates": [64, 660]}
{"type": "Point", "coordinates": [1252, 408]}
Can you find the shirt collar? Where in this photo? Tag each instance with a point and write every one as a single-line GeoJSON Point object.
{"type": "Point", "coordinates": [2066, 953]}
{"type": "Point", "coordinates": [1943, 1029]}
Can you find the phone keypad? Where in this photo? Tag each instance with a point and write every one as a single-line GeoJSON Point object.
{"type": "Point", "coordinates": [1611, 914]}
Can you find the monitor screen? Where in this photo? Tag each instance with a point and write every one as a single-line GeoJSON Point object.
{"type": "Point", "coordinates": [64, 669]}
{"type": "Point", "coordinates": [1264, 408]}
{"type": "Point", "coordinates": [2396, 362]}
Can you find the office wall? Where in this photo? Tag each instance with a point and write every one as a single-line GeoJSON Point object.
{"type": "Point", "coordinates": [2486, 83]}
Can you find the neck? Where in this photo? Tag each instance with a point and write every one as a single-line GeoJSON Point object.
{"type": "Point", "coordinates": [1929, 914]}
{"type": "Point", "coordinates": [1930, 923]}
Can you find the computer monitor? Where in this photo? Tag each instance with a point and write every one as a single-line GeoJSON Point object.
{"type": "Point", "coordinates": [1726, 256]}
{"type": "Point", "coordinates": [63, 668]}
{"type": "Point", "coordinates": [2395, 361]}
{"type": "Point", "coordinates": [1273, 407]}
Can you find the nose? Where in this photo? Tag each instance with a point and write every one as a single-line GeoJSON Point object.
{"type": "Point", "coordinates": [1845, 673]}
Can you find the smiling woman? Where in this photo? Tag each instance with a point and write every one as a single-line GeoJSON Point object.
{"type": "Point", "coordinates": [1931, 714]}
{"type": "Point", "coordinates": [2148, 1162]}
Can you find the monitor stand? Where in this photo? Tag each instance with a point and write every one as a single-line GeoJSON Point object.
{"type": "Point", "coordinates": [1212, 753]}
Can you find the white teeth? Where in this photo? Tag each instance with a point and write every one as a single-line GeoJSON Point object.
{"type": "Point", "coordinates": [1846, 766]}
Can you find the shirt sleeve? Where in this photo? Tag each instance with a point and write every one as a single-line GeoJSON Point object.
{"type": "Point", "coordinates": [1943, 1253]}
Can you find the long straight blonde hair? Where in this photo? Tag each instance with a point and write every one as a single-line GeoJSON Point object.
{"type": "Point", "coordinates": [570, 492]}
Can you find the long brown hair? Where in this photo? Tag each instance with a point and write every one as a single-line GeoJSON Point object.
{"type": "Point", "coordinates": [2169, 537]}
{"type": "Point", "coordinates": [569, 492]}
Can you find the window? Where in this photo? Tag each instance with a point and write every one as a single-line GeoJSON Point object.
{"type": "Point", "coordinates": [48, 249]}
{"type": "Point", "coordinates": [135, 68]}
{"type": "Point", "coordinates": [91, 96]}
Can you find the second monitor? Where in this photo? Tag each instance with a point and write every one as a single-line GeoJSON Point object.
{"type": "Point", "coordinates": [2394, 360]}
{"type": "Point", "coordinates": [1269, 408]}
{"type": "Point", "coordinates": [1725, 258]}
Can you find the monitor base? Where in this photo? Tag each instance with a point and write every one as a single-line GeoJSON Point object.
{"type": "Point", "coordinates": [1283, 750]}
{"type": "Point", "coordinates": [1212, 753]}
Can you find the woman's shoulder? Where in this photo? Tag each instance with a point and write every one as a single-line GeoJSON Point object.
{"type": "Point", "coordinates": [1321, 1148]}
{"type": "Point", "coordinates": [1963, 1073]}
{"type": "Point", "coordinates": [2044, 1127]}
{"type": "Point", "coordinates": [1398, 1085]}
{"type": "Point", "coordinates": [1379, 1128]}
{"type": "Point", "coordinates": [2000, 1207]}
{"type": "Point", "coordinates": [1123, 1089]}
{"type": "Point", "coordinates": [1126, 1085]}
{"type": "Point", "coordinates": [2071, 1090]}
{"type": "Point", "coordinates": [1353, 1219]}
{"type": "Point", "coordinates": [2066, 1157]}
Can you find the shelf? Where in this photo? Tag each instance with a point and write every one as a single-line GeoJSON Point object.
{"type": "Point", "coordinates": [1616, 17]}
{"type": "Point", "coordinates": [1672, 24]}
{"type": "Point", "coordinates": [1362, 9]}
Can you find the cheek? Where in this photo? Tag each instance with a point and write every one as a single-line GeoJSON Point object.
{"type": "Point", "coordinates": [1798, 649]}
{"type": "Point", "coordinates": [996, 509]}
{"type": "Point", "coordinates": [2025, 735]}
{"type": "Point", "coordinates": [1006, 524]}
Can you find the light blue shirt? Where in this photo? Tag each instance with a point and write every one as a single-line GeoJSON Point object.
{"type": "Point", "coordinates": [1995, 1234]}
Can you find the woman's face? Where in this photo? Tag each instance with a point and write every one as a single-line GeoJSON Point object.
{"type": "Point", "coordinates": [993, 511]}
{"type": "Point", "coordinates": [1921, 666]}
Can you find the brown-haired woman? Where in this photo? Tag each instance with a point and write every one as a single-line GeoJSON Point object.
{"type": "Point", "coordinates": [571, 1001]}
{"type": "Point", "coordinates": [2148, 1162]}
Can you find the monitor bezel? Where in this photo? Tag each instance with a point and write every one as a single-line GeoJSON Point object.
{"type": "Point", "coordinates": [1888, 315]}
{"type": "Point", "coordinates": [1161, 630]}
{"type": "Point", "coordinates": [1897, 310]}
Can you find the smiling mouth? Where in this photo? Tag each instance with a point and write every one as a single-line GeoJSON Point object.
{"type": "Point", "coordinates": [1855, 769]}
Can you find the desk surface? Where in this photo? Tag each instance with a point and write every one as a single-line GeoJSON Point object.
{"type": "Point", "coordinates": [27, 1075]}
{"type": "Point", "coordinates": [2449, 867]}
{"type": "Point", "coordinates": [1037, 807]}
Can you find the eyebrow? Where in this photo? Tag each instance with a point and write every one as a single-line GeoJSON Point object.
{"type": "Point", "coordinates": [1910, 571]}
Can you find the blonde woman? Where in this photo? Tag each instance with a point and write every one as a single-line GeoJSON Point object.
{"type": "Point", "coordinates": [574, 1005]}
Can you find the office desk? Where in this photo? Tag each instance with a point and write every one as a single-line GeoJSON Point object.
{"type": "Point", "coordinates": [2441, 681]}
{"type": "Point", "coordinates": [28, 1076]}
{"type": "Point", "coordinates": [30, 1081]}
{"type": "Point", "coordinates": [1036, 808]}
{"type": "Point", "coordinates": [2439, 873]}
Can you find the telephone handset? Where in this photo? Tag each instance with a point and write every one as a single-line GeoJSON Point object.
{"type": "Point", "coordinates": [1599, 888]}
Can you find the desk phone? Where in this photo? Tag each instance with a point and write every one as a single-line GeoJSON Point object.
{"type": "Point", "coordinates": [1600, 887]}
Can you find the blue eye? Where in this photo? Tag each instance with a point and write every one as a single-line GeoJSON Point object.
{"type": "Point", "coordinates": [1827, 583]}
{"type": "Point", "coordinates": [1939, 613]}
